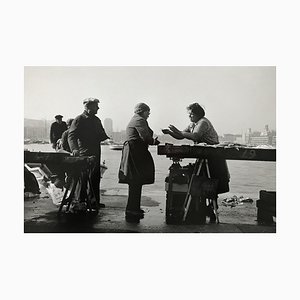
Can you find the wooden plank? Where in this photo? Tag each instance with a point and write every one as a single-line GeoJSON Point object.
{"type": "Point", "coordinates": [56, 158]}
{"type": "Point", "coordinates": [230, 153]}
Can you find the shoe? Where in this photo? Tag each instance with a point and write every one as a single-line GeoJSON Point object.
{"type": "Point", "coordinates": [130, 219]}
{"type": "Point", "coordinates": [101, 205]}
{"type": "Point", "coordinates": [141, 211]}
{"type": "Point", "coordinates": [134, 214]}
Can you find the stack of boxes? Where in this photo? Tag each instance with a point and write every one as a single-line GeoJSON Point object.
{"type": "Point", "coordinates": [176, 186]}
{"type": "Point", "coordinates": [266, 207]}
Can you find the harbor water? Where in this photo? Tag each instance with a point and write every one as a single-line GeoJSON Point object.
{"type": "Point", "coordinates": [247, 177]}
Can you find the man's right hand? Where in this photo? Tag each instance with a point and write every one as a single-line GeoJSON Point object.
{"type": "Point", "coordinates": [75, 153]}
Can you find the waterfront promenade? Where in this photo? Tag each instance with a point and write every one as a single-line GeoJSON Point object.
{"type": "Point", "coordinates": [41, 216]}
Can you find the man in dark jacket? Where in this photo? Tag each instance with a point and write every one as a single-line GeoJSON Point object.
{"type": "Point", "coordinates": [64, 144]}
{"type": "Point", "coordinates": [85, 135]}
{"type": "Point", "coordinates": [56, 130]}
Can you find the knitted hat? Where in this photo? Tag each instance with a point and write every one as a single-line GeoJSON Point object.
{"type": "Point", "coordinates": [140, 108]}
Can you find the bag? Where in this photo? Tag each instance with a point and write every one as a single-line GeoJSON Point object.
{"type": "Point", "coordinates": [204, 187]}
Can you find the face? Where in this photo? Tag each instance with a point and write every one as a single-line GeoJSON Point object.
{"type": "Point", "coordinates": [146, 114]}
{"type": "Point", "coordinates": [59, 121]}
{"type": "Point", "coordinates": [93, 108]}
{"type": "Point", "coordinates": [194, 118]}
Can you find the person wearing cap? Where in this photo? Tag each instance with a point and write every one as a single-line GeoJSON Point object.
{"type": "Point", "coordinates": [56, 130]}
{"type": "Point", "coordinates": [137, 166]}
{"type": "Point", "coordinates": [85, 134]}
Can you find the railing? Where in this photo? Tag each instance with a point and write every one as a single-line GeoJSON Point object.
{"type": "Point", "coordinates": [226, 152]}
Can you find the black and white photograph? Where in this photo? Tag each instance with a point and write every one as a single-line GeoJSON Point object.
{"type": "Point", "coordinates": [150, 149]}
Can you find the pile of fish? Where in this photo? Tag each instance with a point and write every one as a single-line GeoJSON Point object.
{"type": "Point", "coordinates": [235, 201]}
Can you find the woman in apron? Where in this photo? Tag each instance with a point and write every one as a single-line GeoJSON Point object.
{"type": "Point", "coordinates": [200, 130]}
{"type": "Point", "coordinates": [137, 166]}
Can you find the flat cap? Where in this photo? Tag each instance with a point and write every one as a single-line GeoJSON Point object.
{"type": "Point", "coordinates": [90, 100]}
{"type": "Point", "coordinates": [58, 117]}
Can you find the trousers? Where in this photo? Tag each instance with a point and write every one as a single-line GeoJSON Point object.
{"type": "Point", "coordinates": [134, 197]}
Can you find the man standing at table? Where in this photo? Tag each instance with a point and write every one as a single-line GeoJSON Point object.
{"type": "Point", "coordinates": [85, 135]}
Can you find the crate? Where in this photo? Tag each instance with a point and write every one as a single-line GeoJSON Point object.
{"type": "Point", "coordinates": [268, 197]}
{"type": "Point", "coordinates": [176, 187]}
{"type": "Point", "coordinates": [266, 207]}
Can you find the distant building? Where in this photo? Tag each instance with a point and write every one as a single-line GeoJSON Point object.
{"type": "Point", "coordinates": [119, 137]}
{"type": "Point", "coordinates": [266, 137]}
{"type": "Point", "coordinates": [108, 126]}
{"type": "Point", "coordinates": [37, 129]}
{"type": "Point", "coordinates": [259, 140]}
{"type": "Point", "coordinates": [246, 136]}
{"type": "Point", "coordinates": [232, 138]}
{"type": "Point", "coordinates": [228, 137]}
{"type": "Point", "coordinates": [239, 138]}
{"type": "Point", "coordinates": [273, 141]}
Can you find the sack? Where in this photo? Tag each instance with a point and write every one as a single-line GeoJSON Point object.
{"type": "Point", "coordinates": [204, 187]}
{"type": "Point", "coordinates": [30, 182]}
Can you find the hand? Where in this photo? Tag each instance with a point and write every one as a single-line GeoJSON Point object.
{"type": "Point", "coordinates": [75, 153]}
{"type": "Point", "coordinates": [174, 129]}
{"type": "Point", "coordinates": [156, 141]}
{"type": "Point", "coordinates": [166, 131]}
{"type": "Point", "coordinates": [54, 145]}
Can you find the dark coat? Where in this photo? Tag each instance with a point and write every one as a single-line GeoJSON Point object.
{"type": "Point", "coordinates": [85, 135]}
{"type": "Point", "coordinates": [56, 131]}
{"type": "Point", "coordinates": [137, 166]}
{"type": "Point", "coordinates": [64, 141]}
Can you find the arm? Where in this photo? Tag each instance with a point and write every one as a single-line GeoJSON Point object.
{"type": "Point", "coordinates": [73, 136]}
{"type": "Point", "coordinates": [194, 136]}
{"type": "Point", "coordinates": [64, 141]}
{"type": "Point", "coordinates": [177, 136]}
{"type": "Point", "coordinates": [103, 135]}
{"type": "Point", "coordinates": [144, 132]}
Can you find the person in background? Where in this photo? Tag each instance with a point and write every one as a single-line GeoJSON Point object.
{"type": "Point", "coordinates": [64, 144]}
{"type": "Point", "coordinates": [85, 134]}
{"type": "Point", "coordinates": [201, 130]}
{"type": "Point", "coordinates": [137, 166]}
{"type": "Point", "coordinates": [56, 130]}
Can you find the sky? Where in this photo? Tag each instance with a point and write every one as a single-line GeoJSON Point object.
{"type": "Point", "coordinates": [234, 98]}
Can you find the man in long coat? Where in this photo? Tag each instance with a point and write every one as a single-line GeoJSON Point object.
{"type": "Point", "coordinates": [85, 135]}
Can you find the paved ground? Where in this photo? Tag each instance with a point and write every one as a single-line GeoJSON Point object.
{"type": "Point", "coordinates": [41, 215]}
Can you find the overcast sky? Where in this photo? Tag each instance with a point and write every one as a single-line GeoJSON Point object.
{"type": "Point", "coordinates": [235, 98]}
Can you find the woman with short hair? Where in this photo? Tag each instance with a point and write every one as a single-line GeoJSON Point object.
{"type": "Point", "coordinates": [201, 130]}
{"type": "Point", "coordinates": [137, 166]}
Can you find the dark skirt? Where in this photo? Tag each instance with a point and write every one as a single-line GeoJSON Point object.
{"type": "Point", "coordinates": [137, 166]}
{"type": "Point", "coordinates": [219, 170]}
